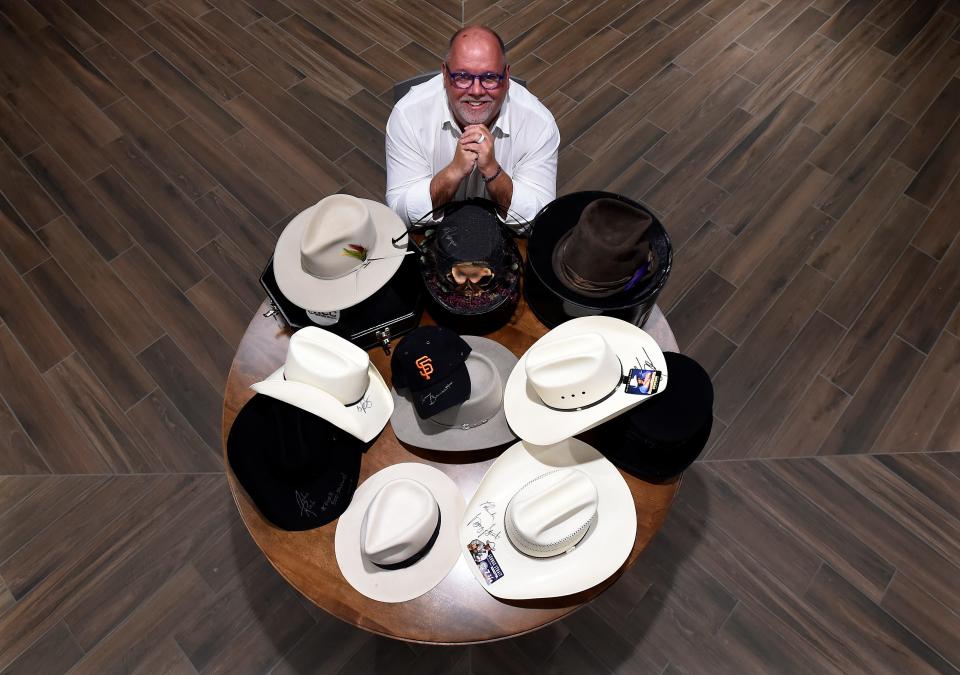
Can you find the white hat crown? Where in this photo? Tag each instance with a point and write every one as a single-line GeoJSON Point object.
{"type": "Point", "coordinates": [571, 372]}
{"type": "Point", "coordinates": [338, 238]}
{"type": "Point", "coordinates": [328, 362]}
{"type": "Point", "coordinates": [552, 513]}
{"type": "Point", "coordinates": [399, 522]}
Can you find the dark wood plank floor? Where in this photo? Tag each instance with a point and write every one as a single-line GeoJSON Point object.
{"type": "Point", "coordinates": [805, 157]}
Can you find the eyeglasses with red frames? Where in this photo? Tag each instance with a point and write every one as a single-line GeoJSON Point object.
{"type": "Point", "coordinates": [463, 80]}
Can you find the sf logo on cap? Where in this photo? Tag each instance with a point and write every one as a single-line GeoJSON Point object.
{"type": "Point", "coordinates": [425, 366]}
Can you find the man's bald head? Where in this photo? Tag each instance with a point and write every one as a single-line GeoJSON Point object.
{"type": "Point", "coordinates": [474, 37]}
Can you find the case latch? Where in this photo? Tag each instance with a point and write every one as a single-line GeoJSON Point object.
{"type": "Point", "coordinates": [384, 336]}
{"type": "Point", "coordinates": [272, 311]}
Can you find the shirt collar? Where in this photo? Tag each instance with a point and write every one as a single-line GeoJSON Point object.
{"type": "Point", "coordinates": [502, 123]}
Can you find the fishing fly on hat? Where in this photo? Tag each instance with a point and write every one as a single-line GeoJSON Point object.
{"type": "Point", "coordinates": [338, 252]}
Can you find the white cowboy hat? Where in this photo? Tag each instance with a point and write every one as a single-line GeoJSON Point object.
{"type": "Point", "coordinates": [573, 378]}
{"type": "Point", "coordinates": [333, 379]}
{"type": "Point", "coordinates": [337, 253]}
{"type": "Point", "coordinates": [475, 424]}
{"type": "Point", "coordinates": [548, 521]}
{"type": "Point", "coordinates": [398, 537]}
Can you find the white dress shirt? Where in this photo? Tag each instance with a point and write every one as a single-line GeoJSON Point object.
{"type": "Point", "coordinates": [422, 135]}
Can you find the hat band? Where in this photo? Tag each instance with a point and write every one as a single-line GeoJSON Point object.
{"type": "Point", "coordinates": [598, 401]}
{"type": "Point", "coordinates": [418, 556]}
{"type": "Point", "coordinates": [605, 286]}
{"type": "Point", "coordinates": [345, 405]}
{"type": "Point", "coordinates": [465, 426]}
{"type": "Point", "coordinates": [359, 267]}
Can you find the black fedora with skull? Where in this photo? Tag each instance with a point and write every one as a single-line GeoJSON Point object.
{"type": "Point", "coordinates": [469, 261]}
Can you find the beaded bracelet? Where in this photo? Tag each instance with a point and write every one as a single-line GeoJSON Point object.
{"type": "Point", "coordinates": [493, 177]}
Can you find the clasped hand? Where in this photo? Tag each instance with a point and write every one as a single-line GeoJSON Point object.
{"type": "Point", "coordinates": [475, 148]}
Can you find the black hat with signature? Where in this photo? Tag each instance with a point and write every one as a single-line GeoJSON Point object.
{"type": "Point", "coordinates": [470, 263]}
{"type": "Point", "coordinates": [299, 469]}
{"type": "Point", "coordinates": [430, 361]}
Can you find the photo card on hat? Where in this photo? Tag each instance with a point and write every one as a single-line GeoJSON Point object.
{"type": "Point", "coordinates": [548, 521]}
{"type": "Point", "coordinates": [576, 377]}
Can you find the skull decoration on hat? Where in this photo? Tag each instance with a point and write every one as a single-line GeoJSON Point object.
{"type": "Point", "coordinates": [470, 263]}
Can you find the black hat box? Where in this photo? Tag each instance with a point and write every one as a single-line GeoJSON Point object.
{"type": "Point", "coordinates": [552, 302]}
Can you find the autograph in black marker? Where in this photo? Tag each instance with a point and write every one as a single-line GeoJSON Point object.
{"type": "Point", "coordinates": [484, 521]}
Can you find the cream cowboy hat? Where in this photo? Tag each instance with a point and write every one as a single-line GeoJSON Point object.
{"type": "Point", "coordinates": [574, 378]}
{"type": "Point", "coordinates": [548, 521]}
{"type": "Point", "coordinates": [333, 379]}
{"type": "Point", "coordinates": [398, 538]}
{"type": "Point", "coordinates": [337, 253]}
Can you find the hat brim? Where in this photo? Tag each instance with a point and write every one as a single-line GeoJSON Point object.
{"type": "Point", "coordinates": [301, 500]}
{"type": "Point", "coordinates": [407, 583]}
{"type": "Point", "coordinates": [364, 420]}
{"type": "Point", "coordinates": [327, 295]}
{"type": "Point", "coordinates": [411, 429]}
{"type": "Point", "coordinates": [558, 219]}
{"type": "Point", "coordinates": [598, 555]}
{"type": "Point", "coordinates": [536, 423]}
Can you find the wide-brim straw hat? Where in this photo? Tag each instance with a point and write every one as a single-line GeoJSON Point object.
{"type": "Point", "coordinates": [586, 504]}
{"type": "Point", "coordinates": [371, 529]}
{"type": "Point", "coordinates": [572, 378]}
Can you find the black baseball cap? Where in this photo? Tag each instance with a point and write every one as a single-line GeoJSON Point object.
{"type": "Point", "coordinates": [430, 362]}
{"type": "Point", "coordinates": [300, 470]}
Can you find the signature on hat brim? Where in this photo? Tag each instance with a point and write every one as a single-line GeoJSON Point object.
{"type": "Point", "coordinates": [406, 583]}
{"type": "Point", "coordinates": [327, 295]}
{"type": "Point", "coordinates": [536, 423]}
{"type": "Point", "coordinates": [599, 554]}
{"type": "Point", "coordinates": [413, 430]}
{"type": "Point", "coordinates": [364, 419]}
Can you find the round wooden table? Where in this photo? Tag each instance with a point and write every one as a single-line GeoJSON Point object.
{"type": "Point", "coordinates": [458, 610]}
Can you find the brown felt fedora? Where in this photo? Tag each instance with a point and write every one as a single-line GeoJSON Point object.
{"type": "Point", "coordinates": [607, 251]}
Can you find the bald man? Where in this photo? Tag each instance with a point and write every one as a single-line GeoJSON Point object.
{"type": "Point", "coordinates": [470, 132]}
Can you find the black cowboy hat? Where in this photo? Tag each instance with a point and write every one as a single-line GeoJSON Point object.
{"type": "Point", "coordinates": [300, 470]}
{"type": "Point", "coordinates": [659, 439]}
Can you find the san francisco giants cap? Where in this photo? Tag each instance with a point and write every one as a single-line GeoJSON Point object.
{"type": "Point", "coordinates": [430, 364]}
